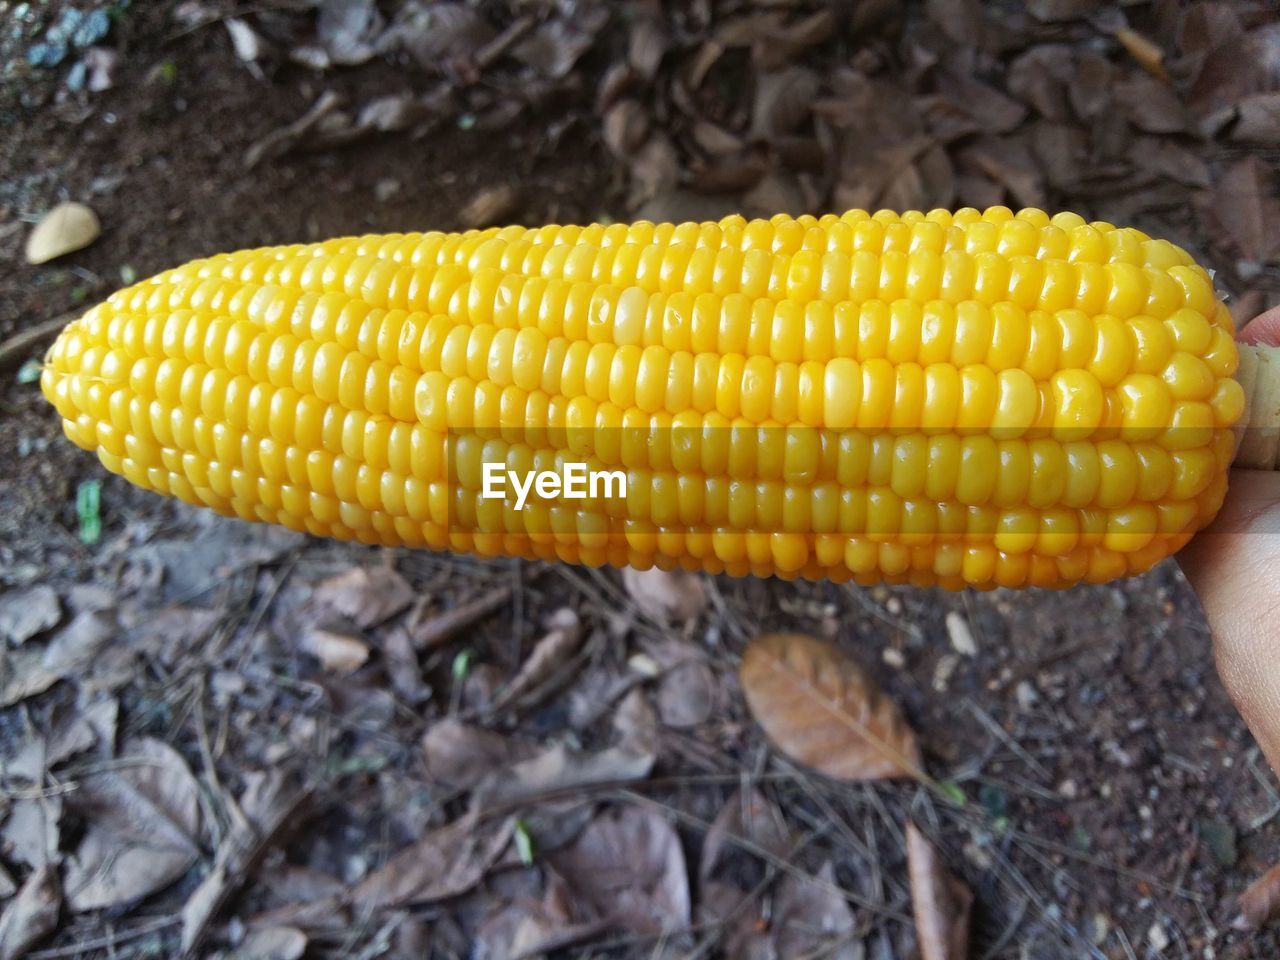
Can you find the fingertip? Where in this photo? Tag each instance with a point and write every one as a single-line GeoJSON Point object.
{"type": "Point", "coordinates": [1263, 330]}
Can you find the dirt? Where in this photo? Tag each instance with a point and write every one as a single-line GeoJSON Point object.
{"type": "Point", "coordinates": [1115, 801]}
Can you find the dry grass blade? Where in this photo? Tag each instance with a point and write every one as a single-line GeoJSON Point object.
{"type": "Point", "coordinates": [1260, 902]}
{"type": "Point", "coordinates": [820, 708]}
{"type": "Point", "coordinates": [941, 903]}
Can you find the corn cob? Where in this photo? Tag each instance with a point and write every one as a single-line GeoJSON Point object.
{"type": "Point", "coordinates": [968, 398]}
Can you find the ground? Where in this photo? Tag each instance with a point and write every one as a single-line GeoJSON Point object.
{"type": "Point", "coordinates": [1114, 803]}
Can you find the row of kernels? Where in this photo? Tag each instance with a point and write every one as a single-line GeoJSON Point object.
{"type": "Point", "coordinates": [978, 564]}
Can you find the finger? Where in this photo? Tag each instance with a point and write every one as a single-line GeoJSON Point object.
{"type": "Point", "coordinates": [1263, 329]}
{"type": "Point", "coordinates": [1234, 566]}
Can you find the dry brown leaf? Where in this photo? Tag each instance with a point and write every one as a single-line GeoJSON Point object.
{"type": "Point", "coordinates": [820, 708]}
{"type": "Point", "coordinates": [992, 110]}
{"type": "Point", "coordinates": [564, 636]}
{"type": "Point", "coordinates": [558, 43]}
{"type": "Point", "coordinates": [272, 943]}
{"type": "Point", "coordinates": [25, 613]}
{"type": "Point", "coordinates": [441, 864]}
{"type": "Point", "coordinates": [1009, 162]}
{"type": "Point", "coordinates": [559, 769]}
{"type": "Point", "coordinates": [648, 44]}
{"type": "Point", "coordinates": [746, 815]}
{"type": "Point", "coordinates": [1164, 156]}
{"type": "Point", "coordinates": [1150, 104]}
{"type": "Point", "coordinates": [1090, 89]}
{"type": "Point", "coordinates": [625, 127]}
{"type": "Point", "coordinates": [1253, 119]}
{"type": "Point", "coordinates": [687, 692]}
{"type": "Point", "coordinates": [28, 671]}
{"type": "Point", "coordinates": [531, 927]}
{"type": "Point", "coordinates": [777, 192]}
{"type": "Point", "coordinates": [629, 865]}
{"type": "Point", "coordinates": [1259, 902]}
{"type": "Point", "coordinates": [143, 818]}
{"type": "Point", "coordinates": [960, 20]}
{"type": "Point", "coordinates": [811, 918]}
{"type": "Point", "coordinates": [665, 596]}
{"type": "Point", "coordinates": [433, 33]}
{"type": "Point", "coordinates": [265, 807]}
{"type": "Point", "coordinates": [324, 113]}
{"type": "Point", "coordinates": [460, 755]}
{"type": "Point", "coordinates": [940, 902]}
{"type": "Point", "coordinates": [783, 102]}
{"type": "Point", "coordinates": [337, 652]}
{"type": "Point", "coordinates": [1041, 76]}
{"type": "Point", "coordinates": [1247, 209]}
{"type": "Point", "coordinates": [66, 228]}
{"type": "Point", "coordinates": [32, 831]}
{"type": "Point", "coordinates": [366, 596]}
{"type": "Point", "coordinates": [32, 914]}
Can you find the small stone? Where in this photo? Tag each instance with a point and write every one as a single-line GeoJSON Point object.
{"type": "Point", "coordinates": [1099, 929]}
{"type": "Point", "coordinates": [893, 605]}
{"type": "Point", "coordinates": [943, 671]}
{"type": "Point", "coordinates": [1026, 694]}
{"type": "Point", "coordinates": [962, 641]}
{"type": "Point", "coordinates": [894, 657]}
{"type": "Point", "coordinates": [978, 854]}
{"type": "Point", "coordinates": [385, 189]}
{"type": "Point", "coordinates": [66, 228]}
{"type": "Point", "coordinates": [1069, 789]}
{"type": "Point", "coordinates": [1157, 937]}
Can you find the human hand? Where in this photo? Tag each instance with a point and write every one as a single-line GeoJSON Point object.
{"type": "Point", "coordinates": [1234, 566]}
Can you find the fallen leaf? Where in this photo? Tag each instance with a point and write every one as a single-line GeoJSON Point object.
{"type": "Point", "coordinates": [783, 101]}
{"type": "Point", "coordinates": [1246, 207]}
{"type": "Point", "coordinates": [441, 864]}
{"type": "Point", "coordinates": [265, 807]}
{"type": "Point", "coordinates": [337, 652]}
{"type": "Point", "coordinates": [648, 44]}
{"type": "Point", "coordinates": [32, 831]}
{"type": "Point", "coordinates": [434, 33]}
{"type": "Point", "coordinates": [1252, 119]}
{"type": "Point", "coordinates": [1009, 162]}
{"type": "Point", "coordinates": [665, 596]}
{"type": "Point", "coordinates": [625, 127]}
{"type": "Point", "coordinates": [992, 110]}
{"type": "Point", "coordinates": [557, 44]}
{"type": "Point", "coordinates": [820, 708]}
{"type": "Point", "coordinates": [1055, 11]}
{"type": "Point", "coordinates": [687, 690]}
{"type": "Point", "coordinates": [403, 669]}
{"type": "Point", "coordinates": [349, 30]}
{"type": "Point", "coordinates": [777, 192]}
{"type": "Point", "coordinates": [559, 768]}
{"type": "Point", "coordinates": [811, 918]}
{"type": "Point", "coordinates": [1164, 156]}
{"type": "Point", "coordinates": [746, 815]}
{"type": "Point", "coordinates": [460, 755]}
{"type": "Point", "coordinates": [7, 887]}
{"type": "Point", "coordinates": [940, 902]}
{"type": "Point", "coordinates": [1150, 104]}
{"type": "Point", "coordinates": [1041, 76]}
{"type": "Point", "coordinates": [66, 228]}
{"type": "Point", "coordinates": [367, 596]}
{"type": "Point", "coordinates": [563, 637]}
{"type": "Point", "coordinates": [960, 21]}
{"type": "Point", "coordinates": [272, 943]}
{"type": "Point", "coordinates": [629, 865]}
{"type": "Point", "coordinates": [32, 914]}
{"type": "Point", "coordinates": [25, 613]}
{"type": "Point", "coordinates": [142, 820]}
{"type": "Point", "coordinates": [532, 927]}
{"type": "Point", "coordinates": [27, 671]}
{"type": "Point", "coordinates": [1259, 903]}
{"type": "Point", "coordinates": [490, 207]}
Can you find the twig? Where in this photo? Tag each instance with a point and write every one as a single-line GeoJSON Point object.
{"type": "Point", "coordinates": [1000, 734]}
{"type": "Point", "coordinates": [439, 630]}
{"type": "Point", "coordinates": [18, 347]}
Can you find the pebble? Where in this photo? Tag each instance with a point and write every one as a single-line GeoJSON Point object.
{"type": "Point", "coordinates": [1157, 937]}
{"type": "Point", "coordinates": [1026, 694]}
{"type": "Point", "coordinates": [943, 671]}
{"type": "Point", "coordinates": [1100, 929]}
{"type": "Point", "coordinates": [894, 657]}
{"type": "Point", "coordinates": [1069, 789]}
{"type": "Point", "coordinates": [962, 641]}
